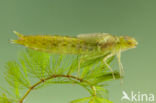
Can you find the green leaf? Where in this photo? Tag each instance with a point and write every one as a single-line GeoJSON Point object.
{"type": "Point", "coordinates": [40, 69]}
{"type": "Point", "coordinates": [81, 100]}
{"type": "Point", "coordinates": [106, 77]}
{"type": "Point", "coordinates": [99, 100]}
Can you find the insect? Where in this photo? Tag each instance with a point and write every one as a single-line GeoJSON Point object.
{"type": "Point", "coordinates": [96, 43]}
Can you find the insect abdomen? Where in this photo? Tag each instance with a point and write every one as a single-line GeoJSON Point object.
{"type": "Point", "coordinates": [56, 44]}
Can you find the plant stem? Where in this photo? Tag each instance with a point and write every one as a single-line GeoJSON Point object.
{"type": "Point", "coordinates": [55, 76]}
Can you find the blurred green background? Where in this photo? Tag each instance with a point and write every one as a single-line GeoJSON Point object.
{"type": "Point", "coordinates": [136, 18]}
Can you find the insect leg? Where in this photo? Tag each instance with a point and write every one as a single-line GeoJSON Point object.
{"type": "Point", "coordinates": [105, 61]}
{"type": "Point", "coordinates": [120, 64]}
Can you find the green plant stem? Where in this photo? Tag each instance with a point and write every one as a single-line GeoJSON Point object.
{"type": "Point", "coordinates": [55, 76]}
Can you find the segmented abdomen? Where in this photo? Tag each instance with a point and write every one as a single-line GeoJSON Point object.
{"type": "Point", "coordinates": [57, 44]}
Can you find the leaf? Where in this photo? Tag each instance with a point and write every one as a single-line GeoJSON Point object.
{"type": "Point", "coordinates": [99, 100]}
{"type": "Point", "coordinates": [35, 67]}
{"type": "Point", "coordinates": [81, 100]}
{"type": "Point", "coordinates": [5, 99]}
{"type": "Point", "coordinates": [106, 77]}
{"type": "Point", "coordinates": [90, 59]}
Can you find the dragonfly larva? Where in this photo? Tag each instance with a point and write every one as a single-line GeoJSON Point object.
{"type": "Point", "coordinates": [82, 44]}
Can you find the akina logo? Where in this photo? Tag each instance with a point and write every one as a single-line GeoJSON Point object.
{"type": "Point", "coordinates": [137, 97]}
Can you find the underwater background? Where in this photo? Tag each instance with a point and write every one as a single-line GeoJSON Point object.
{"type": "Point", "coordinates": [136, 18]}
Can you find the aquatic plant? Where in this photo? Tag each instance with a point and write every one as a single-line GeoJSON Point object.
{"type": "Point", "coordinates": [35, 69]}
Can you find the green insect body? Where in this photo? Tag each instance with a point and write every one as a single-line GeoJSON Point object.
{"type": "Point", "coordinates": [109, 43]}
{"type": "Point", "coordinates": [113, 45]}
{"type": "Point", "coordinates": [99, 43]}
{"type": "Point", "coordinates": [56, 44]}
